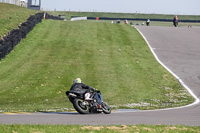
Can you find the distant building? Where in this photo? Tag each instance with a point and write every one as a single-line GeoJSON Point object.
{"type": "Point", "coordinates": [34, 4]}
{"type": "Point", "coordinates": [23, 3]}
{"type": "Point", "coordinates": [15, 2]}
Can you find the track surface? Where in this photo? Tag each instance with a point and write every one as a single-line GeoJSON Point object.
{"type": "Point", "coordinates": [179, 50]}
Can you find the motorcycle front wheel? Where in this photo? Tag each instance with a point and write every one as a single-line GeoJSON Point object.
{"type": "Point", "coordinates": [80, 106]}
{"type": "Point", "coordinates": [106, 109]}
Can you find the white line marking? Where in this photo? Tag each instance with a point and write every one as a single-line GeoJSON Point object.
{"type": "Point", "coordinates": [197, 101]}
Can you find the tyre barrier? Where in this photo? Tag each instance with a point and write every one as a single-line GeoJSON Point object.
{"type": "Point", "coordinates": [9, 41]}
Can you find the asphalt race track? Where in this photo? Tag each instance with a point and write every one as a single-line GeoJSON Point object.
{"type": "Point", "coordinates": [179, 50]}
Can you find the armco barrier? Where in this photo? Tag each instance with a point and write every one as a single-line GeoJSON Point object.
{"type": "Point", "coordinates": [8, 42]}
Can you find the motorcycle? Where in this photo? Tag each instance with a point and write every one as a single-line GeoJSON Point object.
{"type": "Point", "coordinates": [95, 105]}
{"type": "Point", "coordinates": [175, 23]}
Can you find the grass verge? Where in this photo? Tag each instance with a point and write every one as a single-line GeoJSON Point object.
{"type": "Point", "coordinates": [97, 129]}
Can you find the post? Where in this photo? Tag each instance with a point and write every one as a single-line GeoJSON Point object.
{"type": "Point", "coordinates": [44, 15]}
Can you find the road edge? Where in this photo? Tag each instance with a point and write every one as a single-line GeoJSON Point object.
{"type": "Point", "coordinates": [197, 100]}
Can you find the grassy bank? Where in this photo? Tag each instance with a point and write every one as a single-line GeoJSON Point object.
{"type": "Point", "coordinates": [11, 16]}
{"type": "Point", "coordinates": [113, 58]}
{"type": "Point", "coordinates": [97, 129]}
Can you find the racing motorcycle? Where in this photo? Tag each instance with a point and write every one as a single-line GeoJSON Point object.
{"type": "Point", "coordinates": [95, 105]}
{"type": "Point", "coordinates": [175, 23]}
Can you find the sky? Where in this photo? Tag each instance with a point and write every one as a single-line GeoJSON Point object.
{"type": "Point", "coordinates": [176, 7]}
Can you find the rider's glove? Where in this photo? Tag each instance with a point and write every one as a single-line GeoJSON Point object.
{"type": "Point", "coordinates": [92, 89]}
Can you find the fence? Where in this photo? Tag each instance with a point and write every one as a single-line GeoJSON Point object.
{"type": "Point", "coordinates": [15, 2]}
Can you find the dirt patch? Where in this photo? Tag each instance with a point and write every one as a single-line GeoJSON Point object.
{"type": "Point", "coordinates": [91, 128]}
{"type": "Point", "coordinates": [121, 128]}
{"type": "Point", "coordinates": [118, 128]}
{"type": "Point", "coordinates": [188, 129]}
{"type": "Point", "coordinates": [176, 128]}
{"type": "Point", "coordinates": [147, 129]}
{"type": "Point", "coordinates": [171, 128]}
{"type": "Point", "coordinates": [137, 130]}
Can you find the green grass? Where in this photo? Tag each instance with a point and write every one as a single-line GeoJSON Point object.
{"type": "Point", "coordinates": [11, 16]}
{"type": "Point", "coordinates": [97, 129]}
{"type": "Point", "coordinates": [111, 57]}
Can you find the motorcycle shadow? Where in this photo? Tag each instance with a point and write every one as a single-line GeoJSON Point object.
{"type": "Point", "coordinates": [70, 113]}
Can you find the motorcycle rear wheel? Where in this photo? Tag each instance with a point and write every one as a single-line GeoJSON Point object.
{"type": "Point", "coordinates": [80, 108]}
{"type": "Point", "coordinates": [106, 109]}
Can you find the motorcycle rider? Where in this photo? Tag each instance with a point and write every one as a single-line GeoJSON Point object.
{"type": "Point", "coordinates": [148, 22]}
{"type": "Point", "coordinates": [175, 21]}
{"type": "Point", "coordinates": [80, 87]}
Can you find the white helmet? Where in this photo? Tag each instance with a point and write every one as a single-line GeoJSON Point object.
{"type": "Point", "coordinates": [77, 80]}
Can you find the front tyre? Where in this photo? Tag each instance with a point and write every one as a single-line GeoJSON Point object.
{"type": "Point", "coordinates": [80, 106]}
{"type": "Point", "coordinates": [106, 109]}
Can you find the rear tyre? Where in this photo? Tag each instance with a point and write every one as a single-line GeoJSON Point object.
{"type": "Point", "coordinates": [80, 107]}
{"type": "Point", "coordinates": [106, 109]}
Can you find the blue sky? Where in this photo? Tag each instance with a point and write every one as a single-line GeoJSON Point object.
{"type": "Point", "coordinates": [185, 7]}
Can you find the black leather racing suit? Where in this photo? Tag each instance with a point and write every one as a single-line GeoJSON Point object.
{"type": "Point", "coordinates": [80, 88]}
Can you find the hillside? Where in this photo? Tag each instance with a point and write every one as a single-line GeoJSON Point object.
{"type": "Point", "coordinates": [11, 16]}
{"type": "Point", "coordinates": [110, 57]}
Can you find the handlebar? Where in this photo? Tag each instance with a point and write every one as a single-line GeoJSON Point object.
{"type": "Point", "coordinates": [94, 90]}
